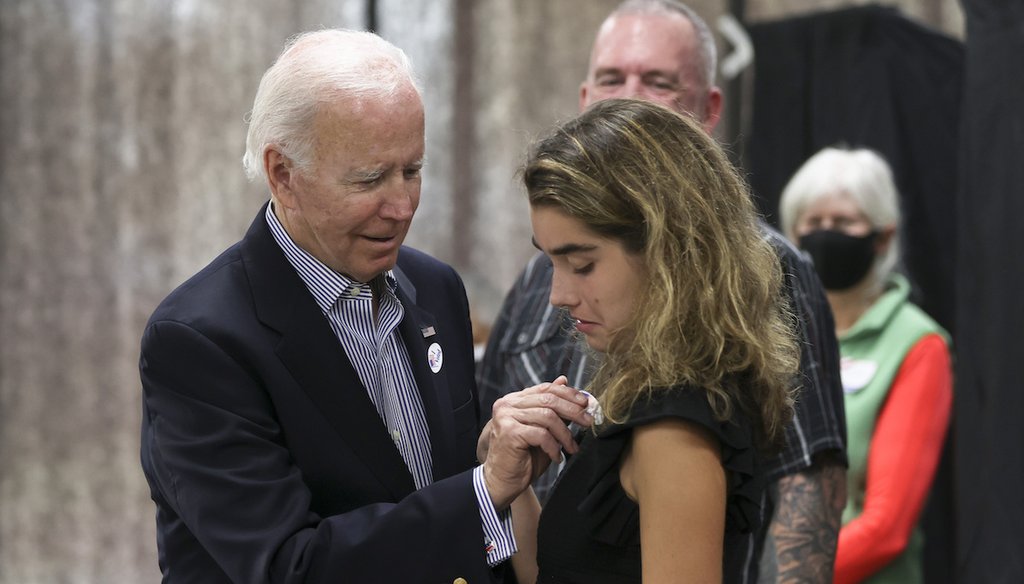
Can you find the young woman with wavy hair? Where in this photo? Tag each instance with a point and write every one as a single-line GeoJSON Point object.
{"type": "Point", "coordinates": [659, 260]}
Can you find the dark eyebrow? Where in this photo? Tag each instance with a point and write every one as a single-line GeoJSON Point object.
{"type": "Point", "coordinates": [567, 248]}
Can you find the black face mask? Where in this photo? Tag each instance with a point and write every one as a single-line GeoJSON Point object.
{"type": "Point", "coordinates": [841, 260]}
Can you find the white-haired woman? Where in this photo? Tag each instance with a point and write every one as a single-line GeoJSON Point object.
{"type": "Point", "coordinates": [842, 207]}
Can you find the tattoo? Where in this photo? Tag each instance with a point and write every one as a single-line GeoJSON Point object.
{"type": "Point", "coordinates": [800, 546]}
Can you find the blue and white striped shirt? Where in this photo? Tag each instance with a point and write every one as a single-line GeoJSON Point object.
{"type": "Point", "coordinates": [381, 360]}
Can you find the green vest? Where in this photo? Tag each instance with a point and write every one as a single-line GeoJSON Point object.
{"type": "Point", "coordinates": [872, 352]}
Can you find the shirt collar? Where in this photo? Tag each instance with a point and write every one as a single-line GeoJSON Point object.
{"type": "Point", "coordinates": [325, 284]}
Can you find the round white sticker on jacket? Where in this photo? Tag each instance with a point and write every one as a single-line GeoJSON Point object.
{"type": "Point", "coordinates": [856, 373]}
{"type": "Point", "coordinates": [435, 357]}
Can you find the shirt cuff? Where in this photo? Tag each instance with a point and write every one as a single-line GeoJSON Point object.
{"type": "Point", "coordinates": [499, 542]}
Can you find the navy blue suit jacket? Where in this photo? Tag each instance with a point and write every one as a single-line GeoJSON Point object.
{"type": "Point", "coordinates": [267, 460]}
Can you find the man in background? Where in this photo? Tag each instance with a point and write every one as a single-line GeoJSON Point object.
{"type": "Point", "coordinates": [662, 51]}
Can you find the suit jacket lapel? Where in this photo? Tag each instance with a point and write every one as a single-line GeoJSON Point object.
{"type": "Point", "coordinates": [419, 330]}
{"type": "Point", "coordinates": [315, 358]}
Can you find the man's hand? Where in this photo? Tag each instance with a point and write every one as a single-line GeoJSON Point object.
{"type": "Point", "coordinates": [484, 441]}
{"type": "Point", "coordinates": [528, 431]}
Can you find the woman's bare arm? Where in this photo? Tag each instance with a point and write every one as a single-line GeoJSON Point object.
{"type": "Point", "coordinates": [673, 470]}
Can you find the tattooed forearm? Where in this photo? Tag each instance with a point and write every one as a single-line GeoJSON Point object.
{"type": "Point", "coordinates": [801, 543]}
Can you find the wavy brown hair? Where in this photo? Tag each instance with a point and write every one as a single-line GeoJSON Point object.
{"type": "Point", "coordinates": [711, 314]}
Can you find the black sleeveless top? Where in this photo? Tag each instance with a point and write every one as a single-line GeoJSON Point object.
{"type": "Point", "coordinates": [590, 530]}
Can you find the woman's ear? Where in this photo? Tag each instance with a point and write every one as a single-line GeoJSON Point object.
{"type": "Point", "coordinates": [884, 239]}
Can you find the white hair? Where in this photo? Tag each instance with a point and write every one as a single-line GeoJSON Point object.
{"type": "Point", "coordinates": [315, 68]}
{"type": "Point", "coordinates": [707, 52]}
{"type": "Point", "coordinates": [861, 175]}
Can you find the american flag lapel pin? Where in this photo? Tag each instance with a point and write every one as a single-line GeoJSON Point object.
{"type": "Point", "coordinates": [428, 331]}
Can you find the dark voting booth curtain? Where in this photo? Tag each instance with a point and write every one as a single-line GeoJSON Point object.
{"type": "Point", "coordinates": [989, 399]}
{"type": "Point", "coordinates": [948, 117]}
{"type": "Point", "coordinates": [865, 77]}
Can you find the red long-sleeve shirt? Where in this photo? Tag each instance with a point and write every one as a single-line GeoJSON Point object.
{"type": "Point", "coordinates": [904, 453]}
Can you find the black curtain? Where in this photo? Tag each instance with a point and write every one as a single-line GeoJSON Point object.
{"type": "Point", "coordinates": [866, 77]}
{"type": "Point", "coordinates": [869, 77]}
{"type": "Point", "coordinates": [989, 400]}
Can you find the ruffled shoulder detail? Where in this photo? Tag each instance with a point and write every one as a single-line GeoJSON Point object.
{"type": "Point", "coordinates": [615, 518]}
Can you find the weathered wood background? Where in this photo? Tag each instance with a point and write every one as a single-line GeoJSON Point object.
{"type": "Point", "coordinates": [121, 134]}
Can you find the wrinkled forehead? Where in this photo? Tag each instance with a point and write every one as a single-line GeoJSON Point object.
{"type": "Point", "coordinates": [646, 40]}
{"type": "Point", "coordinates": [377, 104]}
{"type": "Point", "coordinates": [353, 124]}
{"type": "Point", "coordinates": [835, 202]}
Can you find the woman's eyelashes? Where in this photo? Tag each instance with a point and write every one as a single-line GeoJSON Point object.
{"type": "Point", "coordinates": [584, 269]}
